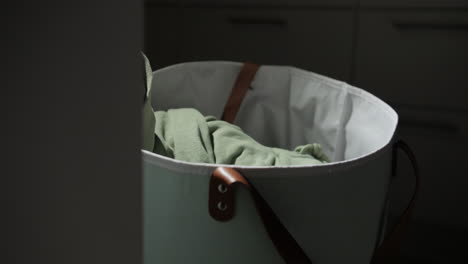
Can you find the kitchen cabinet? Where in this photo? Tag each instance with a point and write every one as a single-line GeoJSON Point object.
{"type": "Point", "coordinates": [417, 4]}
{"type": "Point", "coordinates": [268, 3]}
{"type": "Point", "coordinates": [414, 58]}
{"type": "Point", "coordinates": [314, 40]}
{"type": "Point", "coordinates": [439, 140]}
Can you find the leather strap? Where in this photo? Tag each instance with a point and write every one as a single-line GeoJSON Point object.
{"type": "Point", "coordinates": [238, 92]}
{"type": "Point", "coordinates": [221, 201]}
{"type": "Point", "coordinates": [223, 181]}
{"type": "Point", "coordinates": [221, 207]}
{"type": "Point", "coordinates": [388, 251]}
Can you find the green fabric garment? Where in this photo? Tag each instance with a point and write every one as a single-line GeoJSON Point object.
{"type": "Point", "coordinates": [185, 134]}
{"type": "Point", "coordinates": [148, 114]}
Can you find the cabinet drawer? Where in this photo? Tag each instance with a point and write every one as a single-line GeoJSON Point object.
{"type": "Point", "coordinates": [161, 1]}
{"type": "Point", "coordinates": [319, 41]}
{"type": "Point", "coordinates": [440, 142]}
{"type": "Point", "coordinates": [414, 58]}
{"type": "Point", "coordinates": [274, 2]}
{"type": "Point", "coordinates": [265, 3]}
{"type": "Point", "coordinates": [414, 3]}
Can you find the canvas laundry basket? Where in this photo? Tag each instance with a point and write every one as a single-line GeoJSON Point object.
{"type": "Point", "coordinates": [330, 213]}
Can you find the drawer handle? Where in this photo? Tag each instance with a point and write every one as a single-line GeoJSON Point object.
{"type": "Point", "coordinates": [252, 21]}
{"type": "Point", "coordinates": [430, 25]}
{"type": "Point", "coordinates": [441, 126]}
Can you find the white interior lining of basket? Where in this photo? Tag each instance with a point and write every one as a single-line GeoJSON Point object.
{"type": "Point", "coordinates": [286, 106]}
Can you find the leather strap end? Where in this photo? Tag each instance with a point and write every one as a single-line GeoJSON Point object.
{"type": "Point", "coordinates": [221, 201]}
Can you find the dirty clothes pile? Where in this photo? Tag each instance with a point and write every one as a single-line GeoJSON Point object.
{"type": "Point", "coordinates": [185, 134]}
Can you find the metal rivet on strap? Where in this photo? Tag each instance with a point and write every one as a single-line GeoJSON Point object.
{"type": "Point", "coordinates": [222, 206]}
{"type": "Point", "coordinates": [222, 188]}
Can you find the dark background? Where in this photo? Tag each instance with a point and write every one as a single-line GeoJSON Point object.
{"type": "Point", "coordinates": [72, 104]}
{"type": "Point", "coordinates": [411, 54]}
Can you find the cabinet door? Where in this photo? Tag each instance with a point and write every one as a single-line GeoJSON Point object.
{"type": "Point", "coordinates": [439, 140]}
{"type": "Point", "coordinates": [317, 40]}
{"type": "Point", "coordinates": [416, 58]}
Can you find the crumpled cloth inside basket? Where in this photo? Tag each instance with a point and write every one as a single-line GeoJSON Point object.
{"type": "Point", "coordinates": [185, 134]}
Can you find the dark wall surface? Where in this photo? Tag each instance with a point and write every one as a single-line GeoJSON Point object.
{"type": "Point", "coordinates": [71, 94]}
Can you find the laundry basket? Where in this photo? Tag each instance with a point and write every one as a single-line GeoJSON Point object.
{"type": "Point", "coordinates": [330, 213]}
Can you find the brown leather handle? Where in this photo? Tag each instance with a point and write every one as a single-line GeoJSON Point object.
{"type": "Point", "coordinates": [238, 92]}
{"type": "Point", "coordinates": [224, 180]}
{"type": "Point", "coordinates": [390, 247]}
{"type": "Point", "coordinates": [221, 207]}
